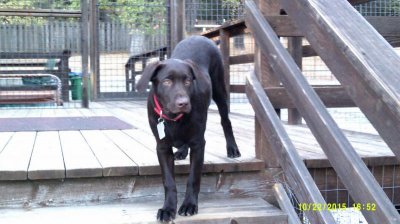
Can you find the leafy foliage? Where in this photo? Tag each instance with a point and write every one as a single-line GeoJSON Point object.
{"type": "Point", "coordinates": [145, 15]}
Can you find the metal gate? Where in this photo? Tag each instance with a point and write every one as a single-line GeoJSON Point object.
{"type": "Point", "coordinates": [41, 52]}
{"type": "Point", "coordinates": [126, 37]}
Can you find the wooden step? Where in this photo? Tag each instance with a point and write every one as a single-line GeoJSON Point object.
{"type": "Point", "coordinates": [245, 210]}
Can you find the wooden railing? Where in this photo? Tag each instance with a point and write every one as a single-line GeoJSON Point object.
{"type": "Point", "coordinates": [331, 95]}
{"type": "Point", "coordinates": [223, 34]}
{"type": "Point", "coordinates": [369, 77]}
{"type": "Point", "coordinates": [297, 174]}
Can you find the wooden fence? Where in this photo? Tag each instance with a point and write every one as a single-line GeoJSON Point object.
{"type": "Point", "coordinates": [59, 35]}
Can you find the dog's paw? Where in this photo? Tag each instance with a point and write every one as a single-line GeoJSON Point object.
{"type": "Point", "coordinates": [188, 209]}
{"type": "Point", "coordinates": [233, 152]}
{"type": "Point", "coordinates": [166, 215]}
{"type": "Point", "coordinates": [182, 153]}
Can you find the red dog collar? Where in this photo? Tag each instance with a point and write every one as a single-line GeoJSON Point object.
{"type": "Point", "coordinates": [160, 113]}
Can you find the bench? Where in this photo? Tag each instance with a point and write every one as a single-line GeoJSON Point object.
{"type": "Point", "coordinates": [130, 67]}
{"type": "Point", "coordinates": [30, 66]}
{"type": "Point", "coordinates": [14, 91]}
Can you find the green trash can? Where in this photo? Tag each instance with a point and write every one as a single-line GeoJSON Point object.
{"type": "Point", "coordinates": [76, 86]}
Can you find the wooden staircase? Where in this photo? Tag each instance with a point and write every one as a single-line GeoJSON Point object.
{"type": "Point", "coordinates": [224, 198]}
{"type": "Point", "coordinates": [365, 65]}
{"type": "Point", "coordinates": [246, 210]}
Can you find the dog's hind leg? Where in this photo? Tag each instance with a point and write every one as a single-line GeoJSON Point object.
{"type": "Point", "coordinates": [220, 98]}
{"type": "Point", "coordinates": [182, 152]}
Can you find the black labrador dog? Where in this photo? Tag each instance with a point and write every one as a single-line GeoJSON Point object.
{"type": "Point", "coordinates": [182, 87]}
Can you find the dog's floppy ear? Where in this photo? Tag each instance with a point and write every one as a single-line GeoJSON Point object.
{"type": "Point", "coordinates": [148, 74]}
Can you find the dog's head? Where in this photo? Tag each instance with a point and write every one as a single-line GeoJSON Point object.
{"type": "Point", "coordinates": [172, 81]}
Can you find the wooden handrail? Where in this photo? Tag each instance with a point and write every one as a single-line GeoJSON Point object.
{"type": "Point", "coordinates": [350, 168]}
{"type": "Point", "coordinates": [285, 204]}
{"type": "Point", "coordinates": [363, 62]}
{"type": "Point", "coordinates": [298, 176]}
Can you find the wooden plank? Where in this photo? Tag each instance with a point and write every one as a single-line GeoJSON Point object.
{"type": "Point", "coordinates": [34, 55]}
{"type": "Point", "coordinates": [216, 211]}
{"type": "Point", "coordinates": [40, 12]}
{"type": "Point", "coordinates": [335, 145]}
{"type": "Point", "coordinates": [364, 63]}
{"type": "Point", "coordinates": [331, 96]}
{"type": "Point", "coordinates": [94, 191]}
{"type": "Point", "coordinates": [308, 51]}
{"type": "Point", "coordinates": [357, 2]}
{"type": "Point", "coordinates": [237, 88]}
{"type": "Point", "coordinates": [283, 148]}
{"type": "Point", "coordinates": [14, 159]}
{"type": "Point", "coordinates": [78, 157]}
{"type": "Point", "coordinates": [285, 27]}
{"type": "Point", "coordinates": [47, 160]}
{"type": "Point", "coordinates": [370, 148]}
{"type": "Point", "coordinates": [241, 59]}
{"type": "Point", "coordinates": [114, 161]}
{"type": "Point", "coordinates": [4, 138]}
{"type": "Point", "coordinates": [285, 204]}
{"type": "Point", "coordinates": [235, 28]}
{"type": "Point", "coordinates": [144, 158]}
{"type": "Point", "coordinates": [387, 26]}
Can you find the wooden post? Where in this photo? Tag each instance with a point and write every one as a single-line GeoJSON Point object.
{"type": "Point", "coordinates": [295, 48]}
{"type": "Point", "coordinates": [267, 79]}
{"type": "Point", "coordinates": [85, 53]}
{"type": "Point", "coordinates": [63, 75]}
{"type": "Point", "coordinates": [94, 51]}
{"type": "Point", "coordinates": [225, 49]}
{"type": "Point", "coordinates": [177, 22]}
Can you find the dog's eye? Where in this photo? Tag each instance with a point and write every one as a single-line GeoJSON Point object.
{"type": "Point", "coordinates": [167, 82]}
{"type": "Point", "coordinates": [188, 82]}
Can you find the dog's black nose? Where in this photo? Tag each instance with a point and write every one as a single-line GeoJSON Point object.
{"type": "Point", "coordinates": [182, 102]}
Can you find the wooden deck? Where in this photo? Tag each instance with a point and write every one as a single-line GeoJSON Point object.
{"type": "Point", "coordinates": [103, 153]}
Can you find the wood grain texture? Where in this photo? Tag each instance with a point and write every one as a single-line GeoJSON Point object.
{"type": "Point", "coordinates": [15, 157]}
{"type": "Point", "coordinates": [78, 157]}
{"type": "Point", "coordinates": [92, 191]}
{"type": "Point", "coordinates": [114, 161]}
{"type": "Point", "coordinates": [247, 210]}
{"type": "Point", "coordinates": [138, 152]}
{"type": "Point", "coordinates": [47, 160]}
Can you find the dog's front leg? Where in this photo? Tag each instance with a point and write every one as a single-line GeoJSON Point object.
{"type": "Point", "coordinates": [190, 204]}
{"type": "Point", "coordinates": [166, 159]}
